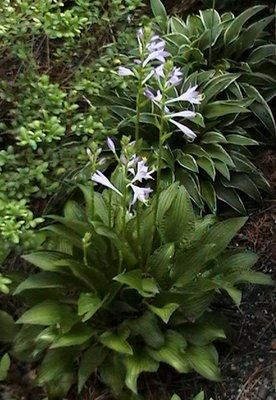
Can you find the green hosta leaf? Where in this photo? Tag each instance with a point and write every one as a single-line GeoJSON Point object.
{"type": "Point", "coordinates": [209, 195]}
{"type": "Point", "coordinates": [173, 352]}
{"type": "Point", "coordinates": [236, 262]}
{"type": "Point", "coordinates": [222, 168]}
{"type": "Point", "coordinates": [178, 39]}
{"type": "Point", "coordinates": [233, 31]}
{"type": "Point", "coordinates": [58, 387]}
{"type": "Point", "coordinates": [261, 182]}
{"type": "Point", "coordinates": [137, 364]}
{"type": "Point", "coordinates": [191, 184]}
{"type": "Point", "coordinates": [234, 293]}
{"type": "Point", "coordinates": [56, 363]}
{"type": "Point", "coordinates": [208, 166]}
{"type": "Point", "coordinates": [259, 54]}
{"type": "Point", "coordinates": [261, 109]}
{"type": "Point", "coordinates": [164, 312]}
{"type": "Point", "coordinates": [5, 363]}
{"type": "Point", "coordinates": [100, 208]}
{"type": "Point", "coordinates": [147, 287]}
{"type": "Point", "coordinates": [8, 328]}
{"type": "Point", "coordinates": [147, 326]}
{"type": "Point", "coordinates": [257, 278]}
{"type": "Point", "coordinates": [245, 184]}
{"type": "Point", "coordinates": [88, 193]}
{"type": "Point", "coordinates": [49, 312]}
{"type": "Point", "coordinates": [160, 13]}
{"type": "Point", "coordinates": [216, 85]}
{"type": "Point", "coordinates": [188, 263]}
{"type": "Point", "coordinates": [77, 336]}
{"type": "Point", "coordinates": [241, 140]}
{"type": "Point", "coordinates": [88, 305]}
{"type": "Point", "coordinates": [43, 280]}
{"type": "Point", "coordinates": [230, 197]}
{"type": "Point", "coordinates": [217, 151]}
{"type": "Point", "coordinates": [222, 233]}
{"type": "Point", "coordinates": [252, 33]}
{"type": "Point", "coordinates": [178, 26]}
{"type": "Point", "coordinates": [204, 361]}
{"type": "Point", "coordinates": [175, 397]}
{"type": "Point", "coordinates": [199, 396]}
{"type": "Point", "coordinates": [74, 211]}
{"type": "Point", "coordinates": [63, 232]}
{"type": "Point", "coordinates": [116, 343]}
{"type": "Point", "coordinates": [194, 25]}
{"type": "Point", "coordinates": [177, 224]}
{"type": "Point", "coordinates": [112, 372]}
{"type": "Point", "coordinates": [204, 331]}
{"type": "Point", "coordinates": [242, 164]}
{"type": "Point", "coordinates": [159, 262]}
{"type": "Point", "coordinates": [208, 38]}
{"type": "Point", "coordinates": [213, 137]}
{"type": "Point", "coordinates": [209, 18]}
{"type": "Point", "coordinates": [46, 260]}
{"type": "Point", "coordinates": [195, 149]}
{"type": "Point", "coordinates": [220, 108]}
{"type": "Point", "coordinates": [187, 161]}
{"type": "Point", "coordinates": [92, 277]}
{"type": "Point", "coordinates": [90, 361]}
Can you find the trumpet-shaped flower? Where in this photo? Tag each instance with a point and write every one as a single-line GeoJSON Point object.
{"type": "Point", "coordinates": [184, 114]}
{"type": "Point", "coordinates": [139, 193]}
{"type": "Point", "coordinates": [142, 172]}
{"type": "Point", "coordinates": [99, 177]}
{"type": "Point", "coordinates": [111, 145]}
{"type": "Point", "coordinates": [156, 99]}
{"type": "Point", "coordinates": [187, 131]}
{"type": "Point", "coordinates": [123, 71]}
{"type": "Point", "coordinates": [175, 77]}
{"type": "Point", "coordinates": [191, 95]}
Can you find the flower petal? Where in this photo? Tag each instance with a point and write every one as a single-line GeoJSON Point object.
{"type": "Point", "coordinates": [99, 177]}
{"type": "Point", "coordinates": [184, 114]}
{"type": "Point", "coordinates": [123, 71]}
{"type": "Point", "coordinates": [191, 95]}
{"type": "Point", "coordinates": [187, 131]}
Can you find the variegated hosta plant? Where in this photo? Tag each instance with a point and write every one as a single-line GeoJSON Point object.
{"type": "Point", "coordinates": [210, 108]}
{"type": "Point", "coordinates": [229, 44]}
{"type": "Point", "coordinates": [126, 281]}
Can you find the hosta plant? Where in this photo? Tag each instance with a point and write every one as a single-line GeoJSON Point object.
{"type": "Point", "coordinates": [217, 164]}
{"type": "Point", "coordinates": [126, 280]}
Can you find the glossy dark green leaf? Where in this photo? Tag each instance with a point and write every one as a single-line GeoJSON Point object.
{"type": "Point", "coordinates": [90, 361]}
{"type": "Point", "coordinates": [43, 280]}
{"type": "Point", "coordinates": [233, 31]}
{"type": "Point", "coordinates": [209, 195]}
{"type": "Point", "coordinates": [116, 343]}
{"type": "Point", "coordinates": [45, 260]}
{"type": "Point", "coordinates": [230, 197]}
{"type": "Point", "coordinates": [8, 328]}
{"type": "Point", "coordinates": [160, 13]}
{"type": "Point", "coordinates": [204, 360]}
{"type": "Point", "coordinates": [48, 312]}
{"type": "Point", "coordinates": [260, 53]}
{"type": "Point", "coordinates": [77, 336]}
{"type": "Point", "coordinates": [88, 305]}
{"type": "Point", "coordinates": [187, 161]}
{"type": "Point", "coordinates": [222, 233]}
{"type": "Point", "coordinates": [135, 365]}
{"type": "Point", "coordinates": [245, 184]}
{"type": "Point", "coordinates": [173, 352]}
{"type": "Point", "coordinates": [208, 166]}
